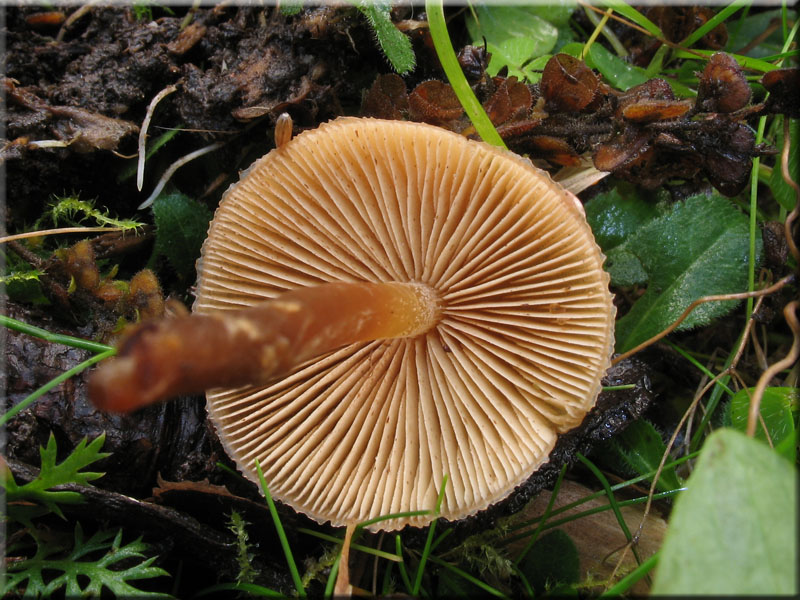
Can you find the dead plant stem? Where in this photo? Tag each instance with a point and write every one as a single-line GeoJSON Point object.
{"type": "Point", "coordinates": [774, 369]}
{"type": "Point", "coordinates": [714, 298]}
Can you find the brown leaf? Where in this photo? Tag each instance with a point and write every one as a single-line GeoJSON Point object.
{"type": "Point", "coordinates": [387, 98]}
{"type": "Point", "coordinates": [187, 39]}
{"type": "Point", "coordinates": [203, 487]}
{"type": "Point", "coordinates": [568, 84]}
{"type": "Point", "coordinates": [598, 537]}
{"type": "Point", "coordinates": [434, 102]}
{"type": "Point", "coordinates": [555, 150]}
{"type": "Point", "coordinates": [649, 110]}
{"type": "Point", "coordinates": [723, 87]}
{"type": "Point", "coordinates": [511, 100]}
{"type": "Point", "coordinates": [621, 151]}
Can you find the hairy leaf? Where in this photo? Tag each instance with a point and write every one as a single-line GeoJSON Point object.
{"type": "Point", "coordinates": [779, 407]}
{"type": "Point", "coordinates": [700, 247]}
{"type": "Point", "coordinates": [394, 43]}
{"type": "Point", "coordinates": [614, 217]}
{"type": "Point", "coordinates": [734, 530]}
{"type": "Point", "coordinates": [181, 227]}
{"type": "Point", "coordinates": [52, 474]}
{"type": "Point", "coordinates": [22, 284]}
{"type": "Point", "coordinates": [640, 448]}
{"type": "Point", "coordinates": [77, 575]}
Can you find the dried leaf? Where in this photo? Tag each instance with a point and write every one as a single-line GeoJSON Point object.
{"type": "Point", "coordinates": [568, 84]}
{"type": "Point", "coordinates": [723, 86]}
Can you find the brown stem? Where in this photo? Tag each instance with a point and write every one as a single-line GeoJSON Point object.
{"type": "Point", "coordinates": [715, 298]}
{"type": "Point", "coordinates": [766, 376]}
{"type": "Point", "coordinates": [252, 346]}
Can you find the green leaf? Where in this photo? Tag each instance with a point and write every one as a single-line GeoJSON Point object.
{"type": "Point", "coordinates": [640, 449]}
{"type": "Point", "coordinates": [80, 576]}
{"type": "Point", "coordinates": [784, 194]}
{"type": "Point", "coordinates": [514, 35]}
{"type": "Point", "coordinates": [734, 530]}
{"type": "Point", "coordinates": [552, 561]}
{"type": "Point", "coordinates": [747, 62]}
{"type": "Point", "coordinates": [625, 268]}
{"type": "Point", "coordinates": [617, 72]}
{"type": "Point", "coordinates": [700, 247]}
{"type": "Point", "coordinates": [749, 28]}
{"type": "Point", "coordinates": [181, 227]}
{"type": "Point", "coordinates": [779, 406]}
{"type": "Point", "coordinates": [394, 43]}
{"type": "Point", "coordinates": [52, 474]}
{"type": "Point", "coordinates": [614, 217]}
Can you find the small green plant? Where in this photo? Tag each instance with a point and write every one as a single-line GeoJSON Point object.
{"type": "Point", "coordinates": [39, 491]}
{"type": "Point", "coordinates": [47, 561]}
{"type": "Point", "coordinates": [80, 575]}
{"type": "Point", "coordinates": [74, 210]}
{"type": "Point", "coordinates": [143, 9]}
{"type": "Point", "coordinates": [21, 282]}
{"type": "Point", "coordinates": [238, 526]}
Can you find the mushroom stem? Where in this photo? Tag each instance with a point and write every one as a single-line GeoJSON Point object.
{"type": "Point", "coordinates": [251, 346]}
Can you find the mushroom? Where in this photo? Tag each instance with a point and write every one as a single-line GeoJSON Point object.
{"type": "Point", "coordinates": [387, 303]}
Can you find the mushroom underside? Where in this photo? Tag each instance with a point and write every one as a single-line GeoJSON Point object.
{"type": "Point", "coordinates": [522, 338]}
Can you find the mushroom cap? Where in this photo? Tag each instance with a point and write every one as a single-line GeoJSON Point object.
{"type": "Point", "coordinates": [525, 334]}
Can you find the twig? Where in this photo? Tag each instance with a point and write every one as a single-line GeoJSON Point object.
{"type": "Point", "coordinates": [74, 17]}
{"type": "Point", "coordinates": [59, 231]}
{"type": "Point", "coordinates": [600, 27]}
{"type": "Point", "coordinates": [174, 167]}
{"type": "Point", "coordinates": [766, 376]}
{"type": "Point", "coordinates": [632, 25]}
{"type": "Point", "coordinates": [343, 587]}
{"type": "Point", "coordinates": [761, 357]}
{"type": "Point", "coordinates": [793, 184]}
{"type": "Point", "coordinates": [143, 132]}
{"type": "Point", "coordinates": [714, 298]}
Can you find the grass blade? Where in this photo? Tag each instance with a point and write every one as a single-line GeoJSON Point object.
{"type": "Point", "coordinates": [709, 25]}
{"type": "Point", "coordinates": [426, 551]}
{"type": "Point", "coordinates": [14, 410]}
{"type": "Point", "coordinates": [298, 583]}
{"type": "Point", "coordinates": [447, 56]}
{"type": "Point", "coordinates": [56, 338]}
